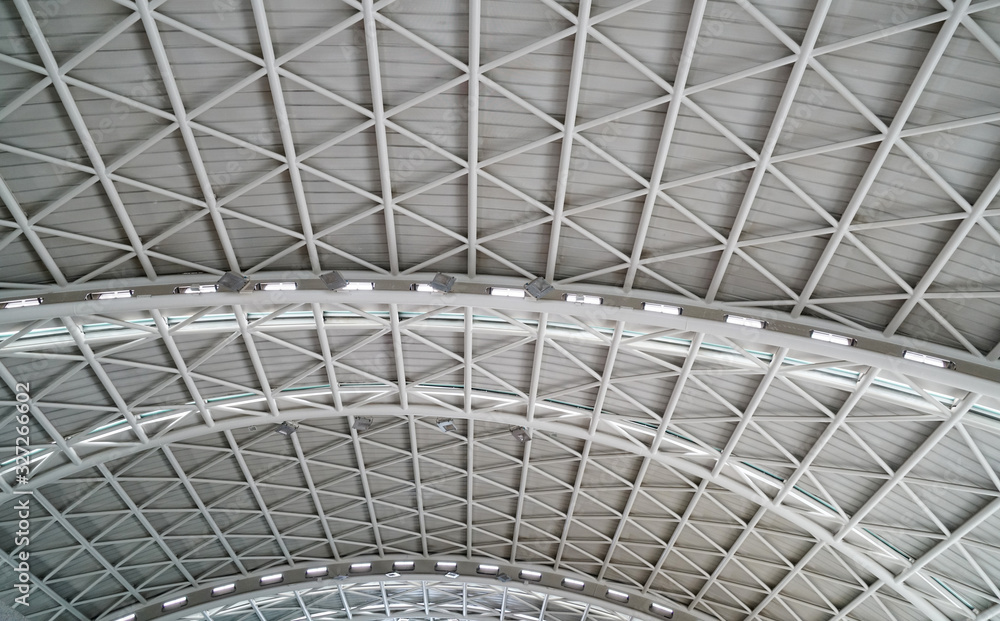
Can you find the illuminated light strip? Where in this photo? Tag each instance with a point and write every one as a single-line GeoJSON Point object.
{"type": "Point", "coordinates": [746, 322]}
{"type": "Point", "coordinates": [269, 586]}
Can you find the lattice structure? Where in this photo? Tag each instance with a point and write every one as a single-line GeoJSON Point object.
{"type": "Point", "coordinates": [821, 165]}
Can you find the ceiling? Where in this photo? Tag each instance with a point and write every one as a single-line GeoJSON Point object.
{"type": "Point", "coordinates": [821, 166]}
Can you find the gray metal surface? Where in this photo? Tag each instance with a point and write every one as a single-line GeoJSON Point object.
{"type": "Point", "coordinates": [822, 165]}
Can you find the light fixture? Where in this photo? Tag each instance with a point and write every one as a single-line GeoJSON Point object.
{"type": "Point", "coordinates": [618, 596]}
{"type": "Point", "coordinates": [197, 289]}
{"type": "Point", "coordinates": [520, 434]}
{"type": "Point", "coordinates": [360, 286]}
{"type": "Point", "coordinates": [403, 566]}
{"type": "Point", "coordinates": [442, 282]}
{"type": "Point", "coordinates": [276, 286]}
{"type": "Point", "coordinates": [362, 423]}
{"type": "Point", "coordinates": [222, 590]}
{"type": "Point", "coordinates": [445, 566]}
{"type": "Point", "coordinates": [232, 281]}
{"type": "Point", "coordinates": [111, 295]}
{"type": "Point", "coordinates": [576, 585]}
{"type": "Point", "coordinates": [130, 617]}
{"type": "Point", "coordinates": [538, 287]}
{"type": "Point", "coordinates": [661, 610]}
{"type": "Point", "coordinates": [829, 337]}
{"type": "Point", "coordinates": [286, 429]}
{"type": "Point", "coordinates": [315, 572]}
{"type": "Point", "coordinates": [422, 288]}
{"type": "Point", "coordinates": [532, 576]}
{"type": "Point", "coordinates": [666, 309]}
{"type": "Point", "coordinates": [23, 303]}
{"type": "Point", "coordinates": [489, 570]}
{"type": "Point", "coordinates": [579, 298]}
{"type": "Point", "coordinates": [506, 292]}
{"type": "Point", "coordinates": [272, 579]}
{"type": "Point", "coordinates": [360, 568]}
{"type": "Point", "coordinates": [333, 280]}
{"type": "Point", "coordinates": [933, 361]}
{"type": "Point", "coordinates": [393, 574]}
{"type": "Point", "coordinates": [174, 603]}
{"type": "Point", "coordinates": [446, 425]}
{"type": "Point", "coordinates": [746, 322]}
{"type": "Point", "coordinates": [451, 574]}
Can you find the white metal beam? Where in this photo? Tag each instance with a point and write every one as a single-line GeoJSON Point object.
{"type": "Point", "coordinates": [381, 139]}
{"type": "Point", "coordinates": [666, 136]}
{"type": "Point", "coordinates": [568, 131]}
{"type": "Point", "coordinates": [920, 81]}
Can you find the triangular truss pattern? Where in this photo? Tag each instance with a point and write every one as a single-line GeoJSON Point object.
{"type": "Point", "coordinates": [817, 163]}
{"type": "Point", "coordinates": [158, 468]}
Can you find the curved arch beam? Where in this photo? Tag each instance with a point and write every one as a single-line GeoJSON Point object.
{"type": "Point", "coordinates": [726, 477]}
{"type": "Point", "coordinates": [465, 571]}
{"type": "Point", "coordinates": [871, 348]}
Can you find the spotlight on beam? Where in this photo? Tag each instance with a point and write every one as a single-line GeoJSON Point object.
{"type": "Point", "coordinates": [442, 282]}
{"type": "Point", "coordinates": [446, 425]}
{"type": "Point", "coordinates": [286, 429]}
{"type": "Point", "coordinates": [538, 288]}
{"type": "Point", "coordinates": [362, 423]}
{"type": "Point", "coordinates": [232, 282]}
{"type": "Point", "coordinates": [520, 434]}
{"type": "Point", "coordinates": [333, 280]}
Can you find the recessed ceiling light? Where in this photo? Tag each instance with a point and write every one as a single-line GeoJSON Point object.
{"type": "Point", "coordinates": [933, 361]}
{"type": "Point", "coordinates": [111, 295]}
{"type": "Point", "coordinates": [222, 590]}
{"type": "Point", "coordinates": [489, 570]}
{"type": "Point", "coordinates": [506, 292]}
{"type": "Point", "coordinates": [829, 337]}
{"type": "Point", "coordinates": [276, 286]}
{"type": "Point", "coordinates": [272, 579]}
{"type": "Point", "coordinates": [174, 603]}
{"type": "Point", "coordinates": [618, 596]}
{"type": "Point", "coordinates": [23, 303]}
{"type": "Point", "coordinates": [661, 610]}
{"type": "Point", "coordinates": [527, 574]}
{"type": "Point", "coordinates": [570, 583]}
{"type": "Point", "coordinates": [197, 289]}
{"type": "Point", "coordinates": [317, 571]}
{"type": "Point", "coordinates": [746, 322]}
{"type": "Point", "coordinates": [666, 309]}
{"type": "Point", "coordinates": [359, 286]}
{"type": "Point", "coordinates": [580, 298]}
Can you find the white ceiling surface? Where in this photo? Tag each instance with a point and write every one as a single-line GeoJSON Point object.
{"type": "Point", "coordinates": [837, 162]}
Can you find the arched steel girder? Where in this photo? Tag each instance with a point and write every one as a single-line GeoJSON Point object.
{"type": "Point", "coordinates": [871, 348]}
{"type": "Point", "coordinates": [728, 477]}
{"type": "Point", "coordinates": [375, 569]}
